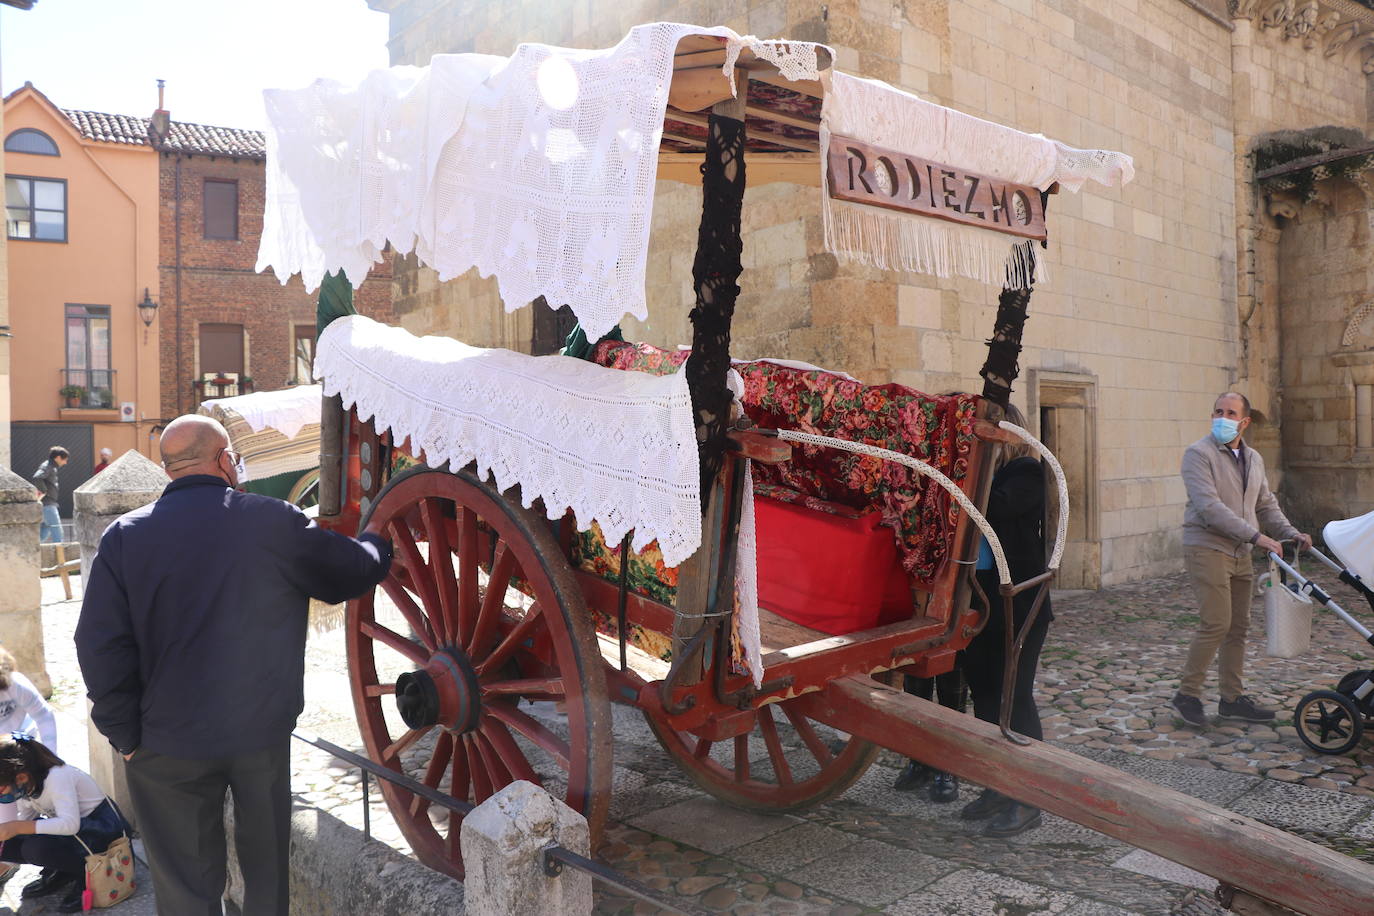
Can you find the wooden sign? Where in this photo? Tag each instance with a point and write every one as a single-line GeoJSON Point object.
{"type": "Point", "coordinates": [864, 174]}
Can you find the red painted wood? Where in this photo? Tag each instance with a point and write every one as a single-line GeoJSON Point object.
{"type": "Point", "coordinates": [552, 646]}
{"type": "Point", "coordinates": [1234, 849]}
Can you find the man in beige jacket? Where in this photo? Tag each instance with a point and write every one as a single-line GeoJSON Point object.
{"type": "Point", "coordinates": [1229, 508]}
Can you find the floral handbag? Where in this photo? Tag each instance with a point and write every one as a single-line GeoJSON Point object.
{"type": "Point", "coordinates": [109, 874]}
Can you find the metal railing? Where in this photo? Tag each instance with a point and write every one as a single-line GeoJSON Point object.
{"type": "Point", "coordinates": [553, 858]}
{"type": "Point", "coordinates": [90, 389]}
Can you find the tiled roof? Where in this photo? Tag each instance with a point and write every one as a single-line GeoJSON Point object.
{"type": "Point", "coordinates": [217, 141]}
{"type": "Point", "coordinates": [181, 137]}
{"type": "Point", "coordinates": [109, 128]}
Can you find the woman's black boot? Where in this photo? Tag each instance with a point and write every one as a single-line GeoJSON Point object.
{"type": "Point", "coordinates": [1015, 819]}
{"type": "Point", "coordinates": [945, 788]}
{"type": "Point", "coordinates": [913, 776]}
{"type": "Point", "coordinates": [988, 804]}
{"type": "Point", "coordinates": [50, 881]}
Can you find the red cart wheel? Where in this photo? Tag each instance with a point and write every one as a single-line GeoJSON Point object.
{"type": "Point", "coordinates": [439, 671]}
{"type": "Point", "coordinates": [783, 764]}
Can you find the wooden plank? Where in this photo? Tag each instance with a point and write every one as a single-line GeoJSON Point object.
{"type": "Point", "coordinates": [764, 168]}
{"type": "Point", "coordinates": [768, 114]}
{"type": "Point", "coordinates": [865, 174]}
{"type": "Point", "coordinates": [812, 88]}
{"type": "Point", "coordinates": [1230, 847]}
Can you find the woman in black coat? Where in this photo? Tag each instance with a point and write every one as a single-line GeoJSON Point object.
{"type": "Point", "coordinates": [1016, 510]}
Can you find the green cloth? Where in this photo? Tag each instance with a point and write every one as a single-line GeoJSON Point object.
{"type": "Point", "coordinates": [579, 347]}
{"type": "Point", "coordinates": [336, 300]}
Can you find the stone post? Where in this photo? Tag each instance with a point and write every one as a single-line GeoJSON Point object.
{"type": "Point", "coordinates": [21, 594]}
{"type": "Point", "coordinates": [130, 482]}
{"type": "Point", "coordinates": [502, 839]}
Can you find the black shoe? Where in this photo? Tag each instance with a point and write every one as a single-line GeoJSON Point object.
{"type": "Point", "coordinates": [1190, 710]}
{"type": "Point", "coordinates": [990, 803]}
{"type": "Point", "coordinates": [50, 881]}
{"type": "Point", "coordinates": [1014, 819]}
{"type": "Point", "coordinates": [913, 776]}
{"type": "Point", "coordinates": [72, 902]}
{"type": "Point", "coordinates": [1245, 709]}
{"type": "Point", "coordinates": [945, 788]}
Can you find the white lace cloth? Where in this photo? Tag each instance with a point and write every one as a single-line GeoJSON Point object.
{"type": "Point", "coordinates": [538, 169]}
{"type": "Point", "coordinates": [287, 411]}
{"type": "Point", "coordinates": [615, 447]}
{"type": "Point", "coordinates": [874, 112]}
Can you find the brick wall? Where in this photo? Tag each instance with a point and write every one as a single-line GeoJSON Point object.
{"type": "Point", "coordinates": [215, 282]}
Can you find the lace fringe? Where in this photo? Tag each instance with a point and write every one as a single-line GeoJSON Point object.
{"type": "Point", "coordinates": [925, 245]}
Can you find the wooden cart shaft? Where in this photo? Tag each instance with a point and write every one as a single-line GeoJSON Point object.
{"type": "Point", "coordinates": [1230, 847]}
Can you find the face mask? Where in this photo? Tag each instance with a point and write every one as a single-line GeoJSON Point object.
{"type": "Point", "coordinates": [1224, 430]}
{"type": "Point", "coordinates": [9, 798]}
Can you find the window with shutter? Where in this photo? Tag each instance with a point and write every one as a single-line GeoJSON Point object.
{"type": "Point", "coordinates": [221, 209]}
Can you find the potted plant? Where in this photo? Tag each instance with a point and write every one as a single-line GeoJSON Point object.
{"type": "Point", "coordinates": [73, 393]}
{"type": "Point", "coordinates": [103, 397]}
{"type": "Point", "coordinates": [246, 384]}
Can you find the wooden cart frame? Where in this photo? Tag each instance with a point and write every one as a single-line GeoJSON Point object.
{"type": "Point", "coordinates": [471, 654]}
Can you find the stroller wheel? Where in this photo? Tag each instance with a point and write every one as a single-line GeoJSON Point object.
{"type": "Point", "coordinates": [1328, 722]}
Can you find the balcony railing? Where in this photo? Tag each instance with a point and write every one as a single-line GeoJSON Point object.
{"type": "Point", "coordinates": [222, 385]}
{"type": "Point", "coordinates": [88, 389]}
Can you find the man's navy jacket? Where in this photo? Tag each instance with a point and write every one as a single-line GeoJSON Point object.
{"type": "Point", "coordinates": [192, 631]}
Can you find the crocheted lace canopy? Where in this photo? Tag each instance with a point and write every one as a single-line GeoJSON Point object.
{"type": "Point", "coordinates": [539, 168]}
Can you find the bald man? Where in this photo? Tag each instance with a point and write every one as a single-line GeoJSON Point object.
{"type": "Point", "coordinates": [192, 644]}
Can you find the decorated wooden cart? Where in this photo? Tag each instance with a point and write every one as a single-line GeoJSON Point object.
{"type": "Point", "coordinates": [750, 553]}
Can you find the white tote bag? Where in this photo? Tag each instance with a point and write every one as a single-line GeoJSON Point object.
{"type": "Point", "coordinates": [1287, 617]}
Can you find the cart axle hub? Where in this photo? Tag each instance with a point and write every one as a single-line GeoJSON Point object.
{"type": "Point", "coordinates": [443, 692]}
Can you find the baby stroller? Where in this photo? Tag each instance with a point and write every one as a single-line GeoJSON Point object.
{"type": "Point", "coordinates": [1332, 721]}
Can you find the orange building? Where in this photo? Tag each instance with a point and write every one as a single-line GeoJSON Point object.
{"type": "Point", "coordinates": [82, 230]}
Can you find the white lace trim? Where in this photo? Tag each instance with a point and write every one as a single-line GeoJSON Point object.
{"type": "Point", "coordinates": [538, 169]}
{"type": "Point", "coordinates": [618, 448]}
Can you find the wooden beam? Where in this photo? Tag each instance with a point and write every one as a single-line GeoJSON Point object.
{"type": "Point", "coordinates": [806, 146]}
{"type": "Point", "coordinates": [768, 114]}
{"type": "Point", "coordinates": [764, 168]}
{"type": "Point", "coordinates": [773, 78]}
{"type": "Point", "coordinates": [1259, 859]}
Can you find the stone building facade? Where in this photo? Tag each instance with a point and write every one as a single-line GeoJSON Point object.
{"type": "Point", "coordinates": [1162, 293]}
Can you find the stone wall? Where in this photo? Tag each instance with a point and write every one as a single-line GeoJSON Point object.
{"type": "Point", "coordinates": [1138, 326]}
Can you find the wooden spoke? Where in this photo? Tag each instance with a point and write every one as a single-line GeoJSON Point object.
{"type": "Point", "coordinates": [770, 740]}
{"type": "Point", "coordinates": [410, 649]}
{"type": "Point", "coordinates": [502, 568]}
{"type": "Point", "coordinates": [533, 686]}
{"type": "Point", "coordinates": [807, 732]}
{"type": "Point", "coordinates": [481, 780]}
{"type": "Point", "coordinates": [419, 623]}
{"type": "Point", "coordinates": [504, 745]}
{"type": "Point", "coordinates": [420, 576]}
{"type": "Point", "coordinates": [446, 527]}
{"type": "Point", "coordinates": [468, 596]}
{"type": "Point", "coordinates": [780, 787]}
{"type": "Point", "coordinates": [397, 747]}
{"type": "Point", "coordinates": [514, 639]}
{"type": "Point", "coordinates": [441, 570]}
{"type": "Point", "coordinates": [532, 729]}
{"type": "Point", "coordinates": [496, 767]}
{"type": "Point", "coordinates": [443, 753]}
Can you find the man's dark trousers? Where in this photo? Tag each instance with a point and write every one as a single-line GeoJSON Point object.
{"type": "Point", "coordinates": [179, 804]}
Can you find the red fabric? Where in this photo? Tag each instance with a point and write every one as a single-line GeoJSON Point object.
{"type": "Point", "coordinates": [829, 572]}
{"type": "Point", "coordinates": [938, 430]}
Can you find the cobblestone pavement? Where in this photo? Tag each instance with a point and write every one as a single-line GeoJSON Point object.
{"type": "Point", "coordinates": [1108, 672]}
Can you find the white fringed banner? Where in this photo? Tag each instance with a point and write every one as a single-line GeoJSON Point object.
{"type": "Point", "coordinates": [875, 113]}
